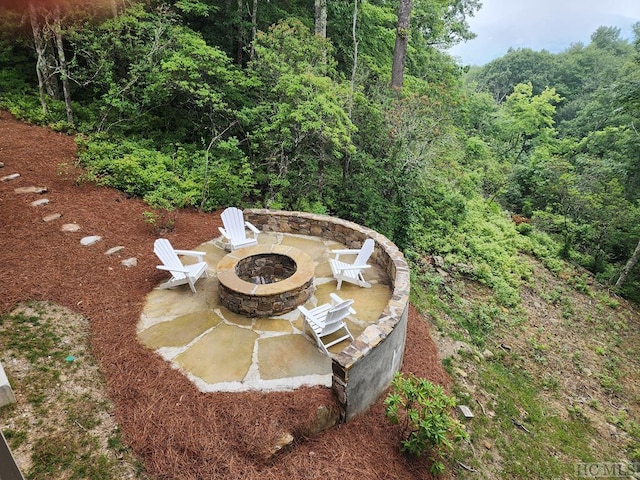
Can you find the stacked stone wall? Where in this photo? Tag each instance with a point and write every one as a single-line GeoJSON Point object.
{"type": "Point", "coordinates": [363, 370]}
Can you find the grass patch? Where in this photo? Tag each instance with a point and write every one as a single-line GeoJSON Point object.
{"type": "Point", "coordinates": [61, 426]}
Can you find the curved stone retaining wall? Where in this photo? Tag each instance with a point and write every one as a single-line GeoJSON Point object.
{"type": "Point", "coordinates": [363, 370]}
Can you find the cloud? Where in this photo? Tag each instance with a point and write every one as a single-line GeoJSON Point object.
{"type": "Point", "coordinates": [552, 25]}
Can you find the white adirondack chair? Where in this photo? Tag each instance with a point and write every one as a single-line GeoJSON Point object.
{"type": "Point", "coordinates": [328, 319]}
{"type": "Point", "coordinates": [180, 273]}
{"type": "Point", "coordinates": [234, 230]}
{"type": "Point", "coordinates": [352, 272]}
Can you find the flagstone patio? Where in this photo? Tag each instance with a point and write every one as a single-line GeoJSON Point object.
{"type": "Point", "coordinates": [223, 351]}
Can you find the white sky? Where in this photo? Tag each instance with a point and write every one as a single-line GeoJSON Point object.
{"type": "Point", "coordinates": [552, 25]}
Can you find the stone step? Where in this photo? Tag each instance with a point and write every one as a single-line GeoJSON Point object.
{"type": "Point", "coordinates": [90, 240]}
{"type": "Point", "coordinates": [51, 217]}
{"type": "Point", "coordinates": [8, 178]}
{"type": "Point", "coordinates": [38, 203]}
{"type": "Point", "coordinates": [113, 250]}
{"type": "Point", "coordinates": [21, 190]}
{"type": "Point", "coordinates": [70, 227]}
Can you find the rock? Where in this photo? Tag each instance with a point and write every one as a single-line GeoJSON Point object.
{"type": "Point", "coordinates": [438, 261]}
{"type": "Point", "coordinates": [325, 418]}
{"type": "Point", "coordinates": [130, 262]}
{"type": "Point", "coordinates": [21, 190]}
{"type": "Point", "coordinates": [283, 441]}
{"type": "Point", "coordinates": [52, 217]}
{"type": "Point", "coordinates": [488, 354]}
{"type": "Point", "coordinates": [465, 411]}
{"type": "Point", "coordinates": [8, 178]}
{"type": "Point", "coordinates": [87, 241]}
{"type": "Point", "coordinates": [463, 347]}
{"type": "Point", "coordinates": [460, 372]}
{"type": "Point", "coordinates": [1, 164]}
{"type": "Point", "coordinates": [70, 227]}
{"type": "Point", "coordinates": [486, 444]}
{"type": "Point", "coordinates": [38, 203]}
{"type": "Point", "coordinates": [113, 250]}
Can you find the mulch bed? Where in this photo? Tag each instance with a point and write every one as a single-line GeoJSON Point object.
{"type": "Point", "coordinates": [177, 431]}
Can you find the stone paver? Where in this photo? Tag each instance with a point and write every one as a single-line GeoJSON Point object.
{"type": "Point", "coordinates": [130, 262]}
{"type": "Point", "coordinates": [113, 250]}
{"type": "Point", "coordinates": [24, 190]}
{"type": "Point", "coordinates": [210, 357]}
{"type": "Point", "coordinates": [70, 227]}
{"type": "Point", "coordinates": [8, 178]}
{"type": "Point", "coordinates": [51, 217]}
{"type": "Point", "coordinates": [39, 203]}
{"type": "Point", "coordinates": [90, 240]}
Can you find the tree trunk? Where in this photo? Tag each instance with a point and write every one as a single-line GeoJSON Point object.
{"type": "Point", "coordinates": [402, 40]}
{"type": "Point", "coordinates": [240, 35]}
{"type": "Point", "coordinates": [321, 18]}
{"type": "Point", "coordinates": [354, 67]}
{"type": "Point", "coordinates": [254, 28]}
{"type": "Point", "coordinates": [40, 61]}
{"type": "Point", "coordinates": [629, 266]}
{"type": "Point", "coordinates": [64, 73]}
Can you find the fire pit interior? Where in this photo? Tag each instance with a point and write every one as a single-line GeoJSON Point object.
{"type": "Point", "coordinates": [266, 280]}
{"type": "Point", "coordinates": [265, 268]}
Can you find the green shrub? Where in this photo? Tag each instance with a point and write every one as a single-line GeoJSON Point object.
{"type": "Point", "coordinates": [422, 410]}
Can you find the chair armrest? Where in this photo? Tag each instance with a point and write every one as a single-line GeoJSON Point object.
{"type": "Point", "coordinates": [252, 227]}
{"type": "Point", "coordinates": [192, 253]}
{"type": "Point", "coordinates": [171, 269]}
{"type": "Point", "coordinates": [224, 233]}
{"type": "Point", "coordinates": [346, 251]}
{"type": "Point", "coordinates": [354, 267]}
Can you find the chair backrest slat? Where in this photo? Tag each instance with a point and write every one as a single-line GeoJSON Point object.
{"type": "Point", "coordinates": [233, 221]}
{"type": "Point", "coordinates": [165, 252]}
{"type": "Point", "coordinates": [337, 313]}
{"type": "Point", "coordinates": [365, 253]}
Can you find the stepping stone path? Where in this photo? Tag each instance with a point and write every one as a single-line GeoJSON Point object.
{"type": "Point", "coordinates": [5, 389]}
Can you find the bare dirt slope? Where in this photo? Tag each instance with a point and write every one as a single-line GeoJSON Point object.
{"type": "Point", "coordinates": [178, 432]}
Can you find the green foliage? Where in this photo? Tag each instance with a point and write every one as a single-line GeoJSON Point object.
{"type": "Point", "coordinates": [170, 180]}
{"type": "Point", "coordinates": [422, 409]}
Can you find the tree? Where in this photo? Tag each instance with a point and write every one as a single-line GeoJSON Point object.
{"type": "Point", "coordinates": [298, 121]}
{"type": "Point", "coordinates": [633, 260]}
{"type": "Point", "coordinates": [402, 40]}
{"type": "Point", "coordinates": [527, 119]}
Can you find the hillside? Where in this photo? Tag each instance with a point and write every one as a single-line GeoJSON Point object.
{"type": "Point", "coordinates": [552, 383]}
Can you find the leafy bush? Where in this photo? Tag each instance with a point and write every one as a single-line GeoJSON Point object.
{"type": "Point", "coordinates": [422, 410]}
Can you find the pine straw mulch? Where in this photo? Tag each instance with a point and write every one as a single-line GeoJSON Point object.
{"type": "Point", "coordinates": [178, 432]}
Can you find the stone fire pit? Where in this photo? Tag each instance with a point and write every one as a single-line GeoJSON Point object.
{"type": "Point", "coordinates": [265, 280]}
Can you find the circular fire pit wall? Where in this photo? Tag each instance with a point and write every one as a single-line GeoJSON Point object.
{"type": "Point", "coordinates": [266, 280]}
